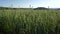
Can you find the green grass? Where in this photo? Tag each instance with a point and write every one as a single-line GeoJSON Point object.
{"type": "Point", "coordinates": [30, 21]}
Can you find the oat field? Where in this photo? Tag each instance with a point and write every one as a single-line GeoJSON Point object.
{"type": "Point", "coordinates": [29, 21]}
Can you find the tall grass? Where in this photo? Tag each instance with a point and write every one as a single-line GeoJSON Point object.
{"type": "Point", "coordinates": [29, 21]}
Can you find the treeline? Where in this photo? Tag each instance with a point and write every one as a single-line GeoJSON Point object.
{"type": "Point", "coordinates": [38, 8]}
{"type": "Point", "coordinates": [1, 8]}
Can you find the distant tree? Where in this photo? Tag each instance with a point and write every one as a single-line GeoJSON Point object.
{"type": "Point", "coordinates": [1, 6]}
{"type": "Point", "coordinates": [11, 5]}
{"type": "Point", "coordinates": [29, 6]}
{"type": "Point", "coordinates": [48, 6]}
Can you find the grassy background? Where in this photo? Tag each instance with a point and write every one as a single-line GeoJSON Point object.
{"type": "Point", "coordinates": [29, 21]}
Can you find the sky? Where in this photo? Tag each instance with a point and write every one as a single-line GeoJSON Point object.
{"type": "Point", "coordinates": [33, 3]}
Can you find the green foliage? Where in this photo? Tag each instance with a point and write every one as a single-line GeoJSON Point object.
{"type": "Point", "coordinates": [30, 21]}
